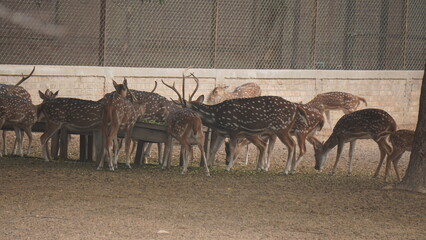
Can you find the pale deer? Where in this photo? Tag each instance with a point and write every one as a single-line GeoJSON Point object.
{"type": "Point", "coordinates": [16, 91]}
{"type": "Point", "coordinates": [344, 101]}
{"type": "Point", "coordinates": [74, 114]}
{"type": "Point", "coordinates": [220, 94]}
{"type": "Point", "coordinates": [401, 141]}
{"type": "Point", "coordinates": [21, 114]}
{"type": "Point", "coordinates": [249, 118]}
{"type": "Point", "coordinates": [185, 126]}
{"type": "Point", "coordinates": [363, 124]}
{"type": "Point", "coordinates": [120, 114]}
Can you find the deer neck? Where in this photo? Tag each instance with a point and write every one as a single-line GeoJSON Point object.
{"type": "Point", "coordinates": [206, 112]}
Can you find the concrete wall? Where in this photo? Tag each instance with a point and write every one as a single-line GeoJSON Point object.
{"type": "Point", "coordinates": [397, 92]}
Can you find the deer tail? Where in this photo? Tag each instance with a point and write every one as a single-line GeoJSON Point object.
{"type": "Point", "coordinates": [386, 135]}
{"type": "Point", "coordinates": [302, 114]}
{"type": "Point", "coordinates": [363, 100]}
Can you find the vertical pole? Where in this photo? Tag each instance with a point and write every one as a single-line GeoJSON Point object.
{"type": "Point", "coordinates": [405, 31]}
{"type": "Point", "coordinates": [348, 41]}
{"type": "Point", "coordinates": [102, 24]}
{"type": "Point", "coordinates": [383, 32]}
{"type": "Point", "coordinates": [314, 36]}
{"type": "Point", "coordinates": [295, 37]}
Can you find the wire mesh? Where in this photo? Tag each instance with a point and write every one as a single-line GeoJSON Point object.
{"type": "Point", "coordinates": [243, 34]}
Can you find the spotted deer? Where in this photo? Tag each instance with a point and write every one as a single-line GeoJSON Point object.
{"type": "Point", "coordinates": [301, 130]}
{"type": "Point", "coordinates": [220, 94]}
{"type": "Point", "coordinates": [185, 126]}
{"type": "Point", "coordinates": [363, 124]}
{"type": "Point", "coordinates": [346, 102]}
{"type": "Point", "coordinates": [72, 113]}
{"type": "Point", "coordinates": [120, 114]}
{"type": "Point", "coordinates": [249, 118]}
{"type": "Point", "coordinates": [401, 141]}
{"type": "Point", "coordinates": [20, 114]}
{"type": "Point", "coordinates": [16, 91]}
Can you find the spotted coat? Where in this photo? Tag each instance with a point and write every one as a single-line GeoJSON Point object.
{"type": "Point", "coordinates": [219, 94]}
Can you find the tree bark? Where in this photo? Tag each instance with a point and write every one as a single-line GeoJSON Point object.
{"type": "Point", "coordinates": [415, 176]}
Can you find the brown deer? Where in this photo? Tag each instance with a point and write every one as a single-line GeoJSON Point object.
{"type": "Point", "coordinates": [21, 114]}
{"type": "Point", "coordinates": [72, 113]}
{"type": "Point", "coordinates": [401, 141]}
{"type": "Point", "coordinates": [363, 124]}
{"type": "Point", "coordinates": [249, 118]}
{"type": "Point", "coordinates": [346, 102]}
{"type": "Point", "coordinates": [219, 94]}
{"type": "Point", "coordinates": [120, 114]}
{"type": "Point", "coordinates": [184, 125]}
{"type": "Point", "coordinates": [16, 91]}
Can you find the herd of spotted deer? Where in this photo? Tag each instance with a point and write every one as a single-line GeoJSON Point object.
{"type": "Point", "coordinates": [239, 117]}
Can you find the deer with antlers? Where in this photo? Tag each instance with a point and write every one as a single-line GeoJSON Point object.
{"type": "Point", "coordinates": [343, 101]}
{"type": "Point", "coordinates": [120, 114]}
{"type": "Point", "coordinates": [363, 124]}
{"type": "Point", "coordinates": [17, 91]}
{"type": "Point", "coordinates": [72, 113]}
{"type": "Point", "coordinates": [401, 141]}
{"type": "Point", "coordinates": [249, 118]}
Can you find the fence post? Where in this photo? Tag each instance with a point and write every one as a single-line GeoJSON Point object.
{"type": "Point", "coordinates": [102, 23]}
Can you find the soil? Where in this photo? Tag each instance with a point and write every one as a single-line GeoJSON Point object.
{"type": "Point", "coordinates": [72, 200]}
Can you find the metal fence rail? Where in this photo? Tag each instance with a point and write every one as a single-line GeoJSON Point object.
{"type": "Point", "coordinates": [242, 34]}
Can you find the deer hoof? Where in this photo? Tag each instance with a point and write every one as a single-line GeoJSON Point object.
{"type": "Point", "coordinates": [128, 166]}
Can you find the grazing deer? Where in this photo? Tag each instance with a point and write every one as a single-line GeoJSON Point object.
{"type": "Point", "coordinates": [72, 113]}
{"type": "Point", "coordinates": [120, 114]}
{"type": "Point", "coordinates": [301, 130]}
{"type": "Point", "coordinates": [363, 124]}
{"type": "Point", "coordinates": [401, 141]}
{"type": "Point", "coordinates": [249, 118]}
{"type": "Point", "coordinates": [219, 94]}
{"type": "Point", "coordinates": [16, 91]}
{"type": "Point", "coordinates": [21, 114]}
{"type": "Point", "coordinates": [184, 125]}
{"type": "Point", "coordinates": [346, 102]}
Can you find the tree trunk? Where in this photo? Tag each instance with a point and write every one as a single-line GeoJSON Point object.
{"type": "Point", "coordinates": [415, 176]}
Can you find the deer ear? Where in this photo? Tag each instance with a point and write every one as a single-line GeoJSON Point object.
{"type": "Point", "coordinates": [55, 94]}
{"type": "Point", "coordinates": [125, 83]}
{"type": "Point", "coordinates": [200, 99]}
{"type": "Point", "coordinates": [115, 84]}
{"type": "Point", "coordinates": [42, 96]}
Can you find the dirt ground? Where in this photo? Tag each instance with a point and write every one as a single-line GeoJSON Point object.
{"type": "Point", "coordinates": [72, 200]}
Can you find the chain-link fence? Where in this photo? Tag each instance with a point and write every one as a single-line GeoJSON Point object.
{"type": "Point", "coordinates": [243, 34]}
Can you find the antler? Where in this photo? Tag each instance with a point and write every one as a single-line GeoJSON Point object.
{"type": "Point", "coordinates": [196, 87]}
{"type": "Point", "coordinates": [176, 91]}
{"type": "Point", "coordinates": [25, 78]}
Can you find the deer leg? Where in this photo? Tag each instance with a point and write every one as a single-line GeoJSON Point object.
{"type": "Point", "coordinates": [247, 155]}
{"type": "Point", "coordinates": [232, 144]}
{"type": "Point", "coordinates": [27, 130]}
{"type": "Point", "coordinates": [160, 147]}
{"type": "Point", "coordinates": [261, 145]}
{"type": "Point", "coordinates": [327, 115]}
{"type": "Point", "coordinates": [127, 142]}
{"type": "Point", "coordinates": [302, 149]}
{"type": "Point", "coordinates": [217, 142]}
{"type": "Point", "coordinates": [393, 158]}
{"type": "Point", "coordinates": [395, 166]}
{"type": "Point", "coordinates": [384, 149]}
{"type": "Point", "coordinates": [4, 143]}
{"type": "Point", "coordinates": [18, 139]}
{"type": "Point", "coordinates": [271, 144]}
{"type": "Point", "coordinates": [200, 145]}
{"type": "Point", "coordinates": [51, 128]}
{"type": "Point", "coordinates": [351, 153]}
{"type": "Point", "coordinates": [167, 150]}
{"type": "Point", "coordinates": [288, 141]}
{"type": "Point", "coordinates": [146, 153]}
{"type": "Point", "coordinates": [339, 152]}
{"type": "Point", "coordinates": [187, 151]}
